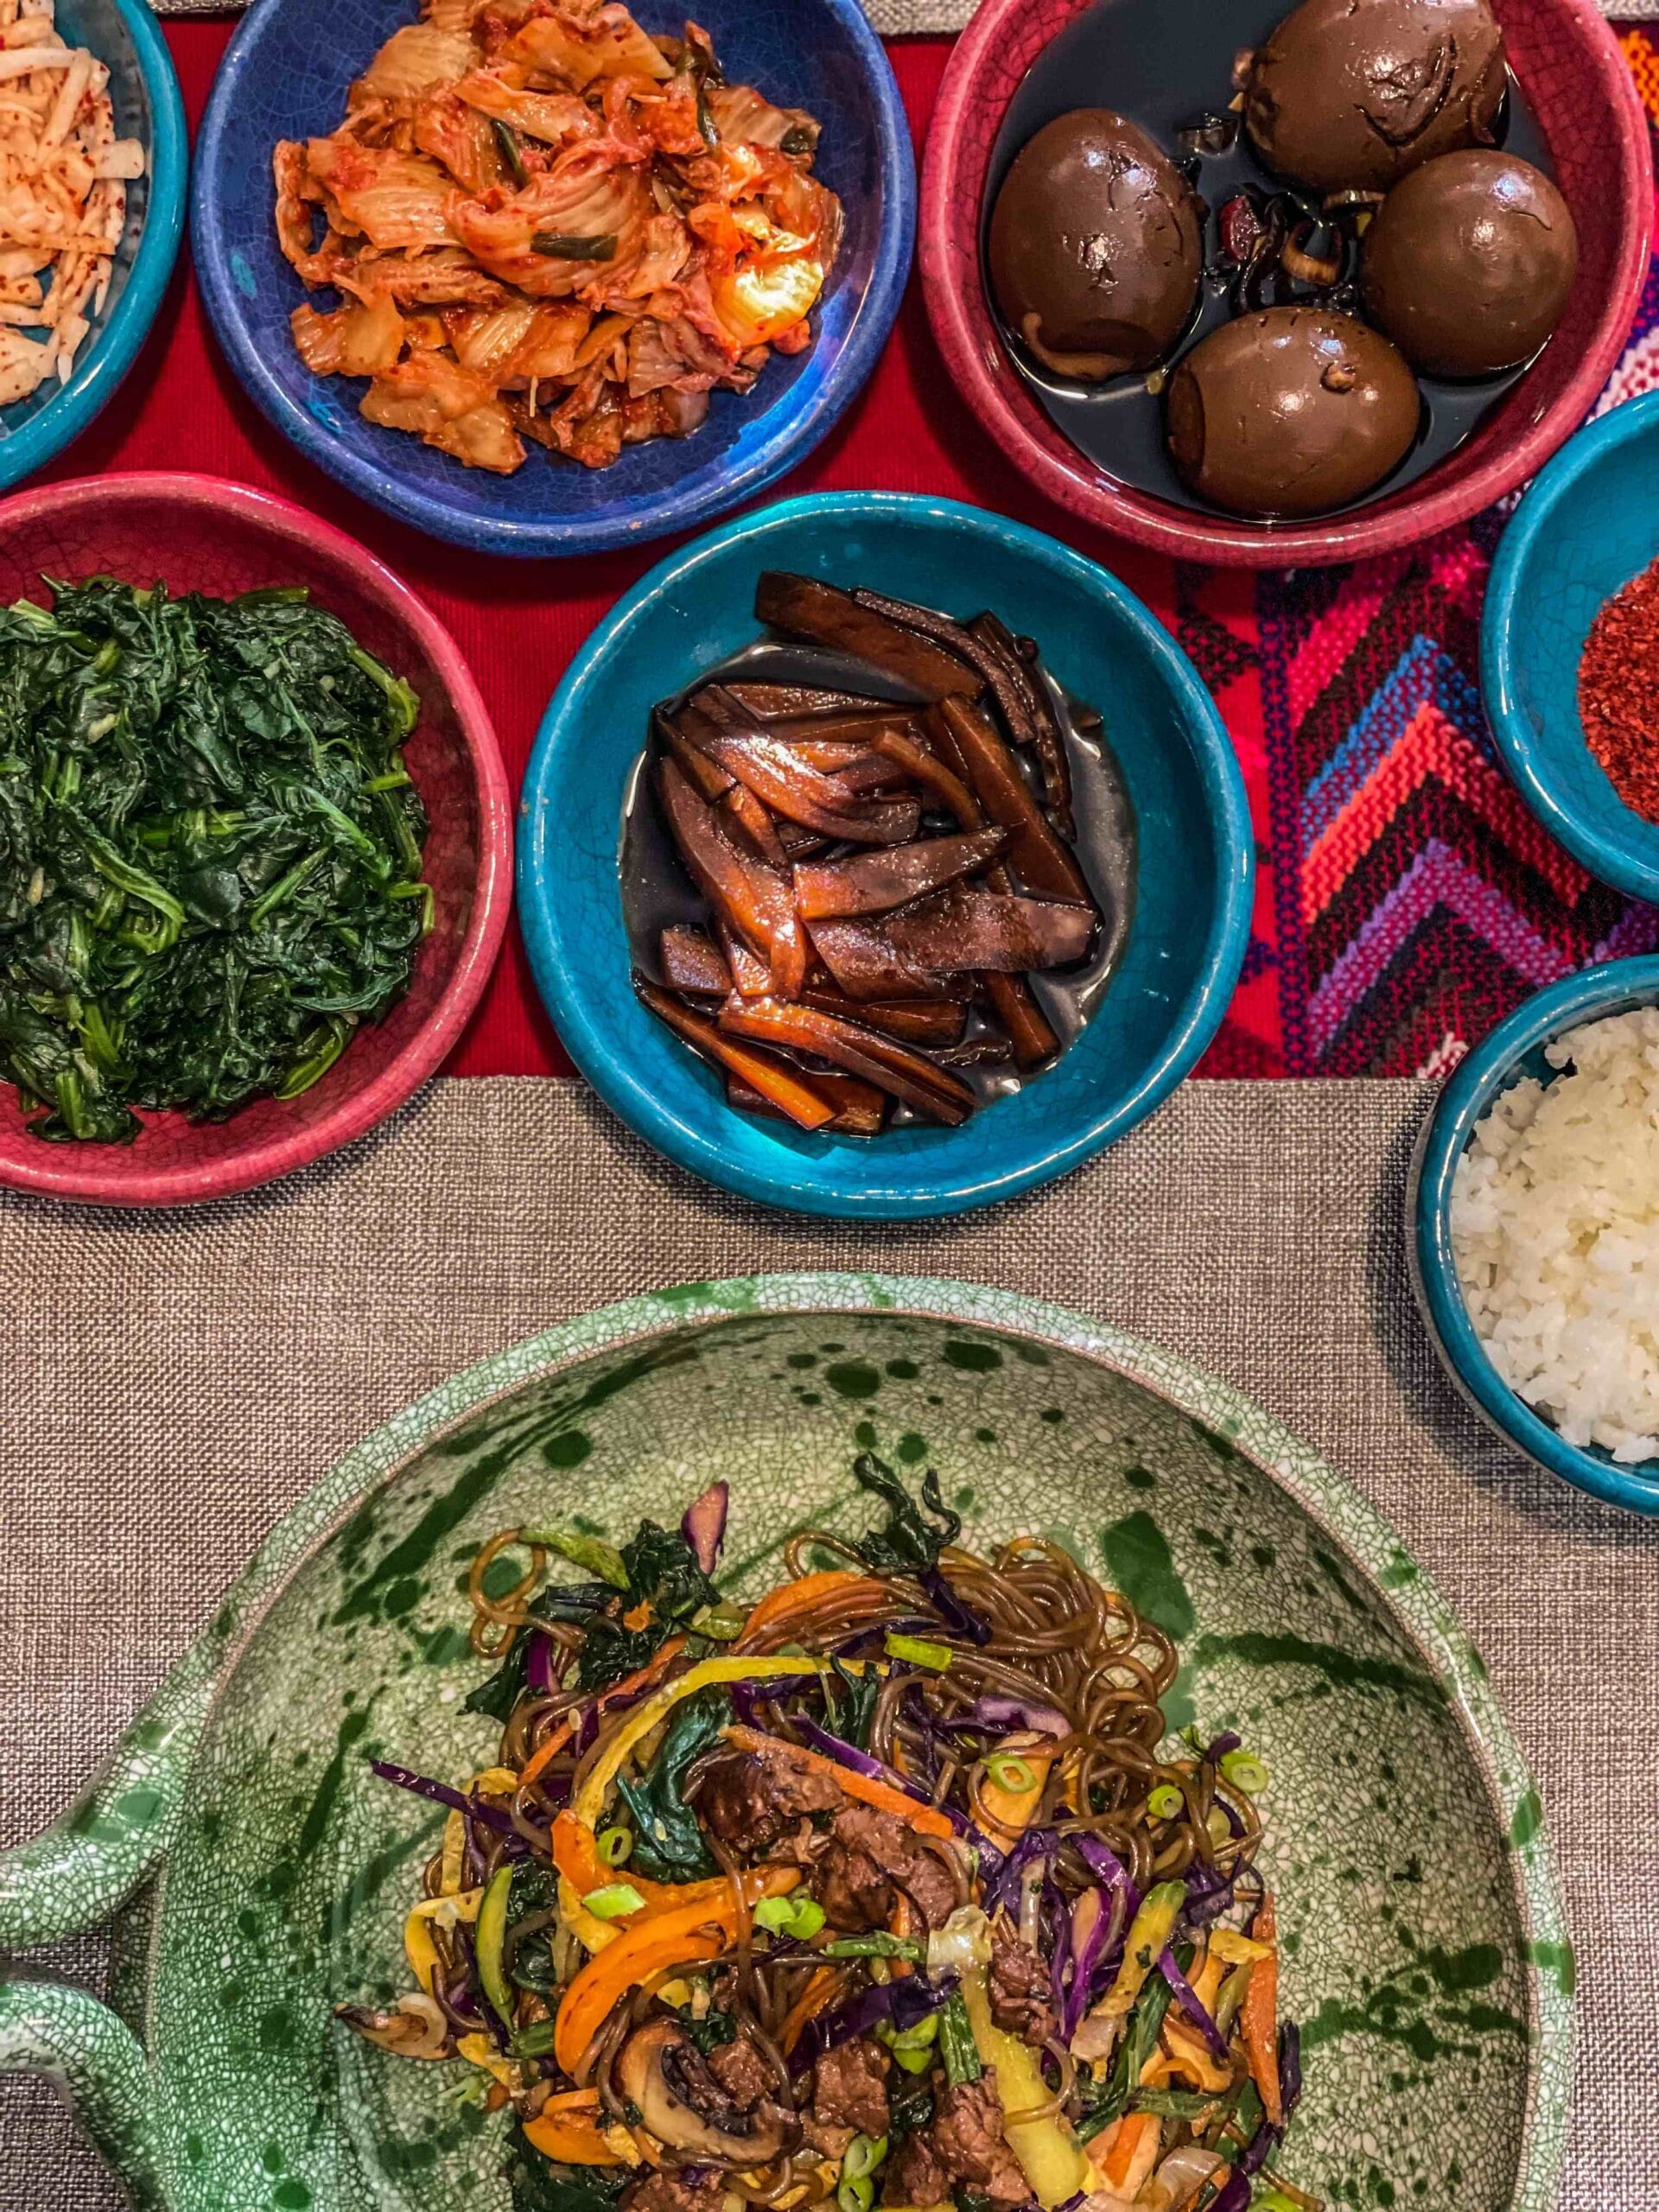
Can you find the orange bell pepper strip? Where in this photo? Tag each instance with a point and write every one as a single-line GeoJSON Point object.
{"type": "Point", "coordinates": [644, 1678]}
{"type": "Point", "coordinates": [881, 1795]}
{"type": "Point", "coordinates": [1258, 2016]}
{"type": "Point", "coordinates": [568, 2129]}
{"type": "Point", "coordinates": [791, 1598]}
{"type": "Point", "coordinates": [701, 1930]}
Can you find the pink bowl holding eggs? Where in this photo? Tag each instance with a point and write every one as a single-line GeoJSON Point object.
{"type": "Point", "coordinates": [201, 533]}
{"type": "Point", "coordinates": [1568, 62]}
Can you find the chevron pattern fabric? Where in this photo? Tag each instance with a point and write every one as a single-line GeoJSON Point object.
{"type": "Point", "coordinates": [1408, 899]}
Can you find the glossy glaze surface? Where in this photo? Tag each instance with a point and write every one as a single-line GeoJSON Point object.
{"type": "Point", "coordinates": [1424, 1951]}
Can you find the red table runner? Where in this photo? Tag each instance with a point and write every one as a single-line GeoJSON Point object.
{"type": "Point", "coordinates": [1407, 899]}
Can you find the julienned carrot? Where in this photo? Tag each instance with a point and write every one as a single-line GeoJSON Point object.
{"type": "Point", "coordinates": [568, 2130]}
{"type": "Point", "coordinates": [642, 1679]}
{"type": "Point", "coordinates": [881, 1795]}
{"type": "Point", "coordinates": [1133, 2145]}
{"type": "Point", "coordinates": [699, 1930]}
{"type": "Point", "coordinates": [1258, 2016]}
{"type": "Point", "coordinates": [821, 1985]}
{"type": "Point", "coordinates": [796, 1597]}
{"type": "Point", "coordinates": [763, 1071]}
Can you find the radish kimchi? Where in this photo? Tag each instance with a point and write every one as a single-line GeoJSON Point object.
{"type": "Point", "coordinates": [541, 222]}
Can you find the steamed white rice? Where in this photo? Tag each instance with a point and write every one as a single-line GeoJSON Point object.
{"type": "Point", "coordinates": [1556, 1231]}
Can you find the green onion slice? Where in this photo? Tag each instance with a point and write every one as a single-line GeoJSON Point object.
{"type": "Point", "coordinates": [612, 1900]}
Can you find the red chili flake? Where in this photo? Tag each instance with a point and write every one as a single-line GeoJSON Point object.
{"type": "Point", "coordinates": [1619, 692]}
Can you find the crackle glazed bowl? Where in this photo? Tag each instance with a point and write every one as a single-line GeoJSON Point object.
{"type": "Point", "coordinates": [1424, 1950]}
{"type": "Point", "coordinates": [202, 533]}
{"type": "Point", "coordinates": [285, 76]}
{"type": "Point", "coordinates": [1185, 940]}
{"type": "Point", "coordinates": [1567, 60]}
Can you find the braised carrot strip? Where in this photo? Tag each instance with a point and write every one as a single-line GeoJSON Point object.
{"type": "Point", "coordinates": [791, 1093]}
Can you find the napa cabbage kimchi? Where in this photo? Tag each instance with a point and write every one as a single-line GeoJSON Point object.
{"type": "Point", "coordinates": [540, 222]}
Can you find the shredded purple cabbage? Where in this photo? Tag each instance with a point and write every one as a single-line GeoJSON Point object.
{"type": "Point", "coordinates": [857, 1761]}
{"type": "Point", "coordinates": [1266, 2140]}
{"type": "Point", "coordinates": [539, 1665]}
{"type": "Point", "coordinates": [474, 1808]}
{"type": "Point", "coordinates": [1103, 1861]}
{"type": "Point", "coordinates": [1290, 2067]}
{"type": "Point", "coordinates": [951, 1608]}
{"type": "Point", "coordinates": [903, 2003]}
{"type": "Point", "coordinates": [1222, 1746]}
{"type": "Point", "coordinates": [1187, 1998]}
{"type": "Point", "coordinates": [1004, 1889]}
{"type": "Point", "coordinates": [704, 1525]}
{"type": "Point", "coordinates": [1096, 1951]}
{"type": "Point", "coordinates": [1235, 2194]}
{"type": "Point", "coordinates": [1020, 1712]}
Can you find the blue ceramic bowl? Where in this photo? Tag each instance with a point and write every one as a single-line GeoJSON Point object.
{"type": "Point", "coordinates": [1185, 945]}
{"type": "Point", "coordinates": [1587, 525]}
{"type": "Point", "coordinates": [144, 93]}
{"type": "Point", "coordinates": [1514, 1050]}
{"type": "Point", "coordinates": [285, 76]}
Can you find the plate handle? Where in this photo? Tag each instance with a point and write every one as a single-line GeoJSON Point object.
{"type": "Point", "coordinates": [79, 1870]}
{"type": "Point", "coordinates": [93, 2056]}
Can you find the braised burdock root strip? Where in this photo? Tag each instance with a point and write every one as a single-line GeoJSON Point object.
{"type": "Point", "coordinates": [542, 222]}
{"type": "Point", "coordinates": [887, 1885]}
{"type": "Point", "coordinates": [880, 880]}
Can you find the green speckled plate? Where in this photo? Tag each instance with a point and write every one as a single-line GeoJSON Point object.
{"type": "Point", "coordinates": [1427, 1954]}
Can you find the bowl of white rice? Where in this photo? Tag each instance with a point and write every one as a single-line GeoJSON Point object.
{"type": "Point", "coordinates": [1535, 1251]}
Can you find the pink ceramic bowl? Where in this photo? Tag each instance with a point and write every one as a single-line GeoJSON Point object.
{"type": "Point", "coordinates": [1568, 64]}
{"type": "Point", "coordinates": [199, 533]}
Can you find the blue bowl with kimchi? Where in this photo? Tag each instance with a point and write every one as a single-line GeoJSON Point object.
{"type": "Point", "coordinates": [285, 78]}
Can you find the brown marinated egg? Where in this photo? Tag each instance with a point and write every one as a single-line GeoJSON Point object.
{"type": "Point", "coordinates": [1096, 247]}
{"type": "Point", "coordinates": [1351, 94]}
{"type": "Point", "coordinates": [1469, 264]}
{"type": "Point", "coordinates": [1290, 412]}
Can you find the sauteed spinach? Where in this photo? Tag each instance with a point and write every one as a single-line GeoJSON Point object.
{"type": "Point", "coordinates": [210, 850]}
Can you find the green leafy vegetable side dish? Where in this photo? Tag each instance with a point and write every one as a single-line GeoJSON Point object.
{"type": "Point", "coordinates": [210, 851]}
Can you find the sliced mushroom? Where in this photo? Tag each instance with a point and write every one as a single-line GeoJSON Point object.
{"type": "Point", "coordinates": [683, 2106]}
{"type": "Point", "coordinates": [415, 2027]}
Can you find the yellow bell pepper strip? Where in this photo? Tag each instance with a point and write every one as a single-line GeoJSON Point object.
{"type": "Point", "coordinates": [1050, 2156]}
{"type": "Point", "coordinates": [1006, 1814]}
{"type": "Point", "coordinates": [799, 1597]}
{"type": "Point", "coordinates": [641, 1679]}
{"type": "Point", "coordinates": [569, 2130]}
{"type": "Point", "coordinates": [1150, 1931]}
{"type": "Point", "coordinates": [865, 1788]}
{"type": "Point", "coordinates": [421, 1951]}
{"type": "Point", "coordinates": [699, 1930]}
{"type": "Point", "coordinates": [1258, 2016]}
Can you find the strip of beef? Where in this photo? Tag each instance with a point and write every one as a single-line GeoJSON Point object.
{"type": "Point", "coordinates": [751, 1801]}
{"type": "Point", "coordinates": [677, 2192]}
{"type": "Point", "coordinates": [850, 2095]}
{"type": "Point", "coordinates": [870, 1856]}
{"type": "Point", "coordinates": [1022, 2002]}
{"type": "Point", "coordinates": [963, 2147]}
{"type": "Point", "coordinates": [741, 2072]}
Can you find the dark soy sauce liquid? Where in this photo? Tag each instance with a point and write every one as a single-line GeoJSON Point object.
{"type": "Point", "coordinates": [1164, 64]}
{"type": "Point", "coordinates": [657, 892]}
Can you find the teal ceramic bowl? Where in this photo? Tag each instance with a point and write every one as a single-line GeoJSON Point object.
{"type": "Point", "coordinates": [1425, 1949]}
{"type": "Point", "coordinates": [1186, 942]}
{"type": "Point", "coordinates": [144, 93]}
{"type": "Point", "coordinates": [1587, 526]}
{"type": "Point", "coordinates": [1514, 1050]}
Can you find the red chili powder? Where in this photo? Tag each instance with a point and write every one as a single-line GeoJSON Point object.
{"type": "Point", "coordinates": [1619, 692]}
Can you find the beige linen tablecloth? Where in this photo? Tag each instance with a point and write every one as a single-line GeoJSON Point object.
{"type": "Point", "coordinates": [172, 1383]}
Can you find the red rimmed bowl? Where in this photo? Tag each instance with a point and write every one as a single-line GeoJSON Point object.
{"type": "Point", "coordinates": [200, 533]}
{"type": "Point", "coordinates": [1568, 64]}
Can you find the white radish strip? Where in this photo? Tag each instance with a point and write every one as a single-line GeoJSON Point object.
{"type": "Point", "coordinates": [35, 57]}
{"type": "Point", "coordinates": [70, 94]}
{"type": "Point", "coordinates": [125, 160]}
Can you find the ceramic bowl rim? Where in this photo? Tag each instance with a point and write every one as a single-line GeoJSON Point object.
{"type": "Point", "coordinates": [1485, 1072]}
{"type": "Point", "coordinates": [183, 1706]}
{"type": "Point", "coordinates": [1185, 534]}
{"type": "Point", "coordinates": [799, 430]}
{"type": "Point", "coordinates": [63, 1171]}
{"type": "Point", "coordinates": [113, 347]}
{"type": "Point", "coordinates": [1607, 855]}
{"type": "Point", "coordinates": [542, 887]}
